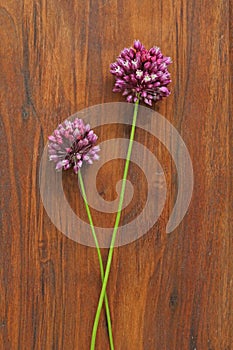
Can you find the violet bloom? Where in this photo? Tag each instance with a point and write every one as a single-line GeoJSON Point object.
{"type": "Point", "coordinates": [72, 144]}
{"type": "Point", "coordinates": [142, 74]}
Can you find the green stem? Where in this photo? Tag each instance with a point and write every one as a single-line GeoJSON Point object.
{"type": "Point", "coordinates": [99, 257]}
{"type": "Point", "coordinates": [118, 216]}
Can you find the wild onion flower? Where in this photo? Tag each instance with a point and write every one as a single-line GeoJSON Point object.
{"type": "Point", "coordinates": [72, 144]}
{"type": "Point", "coordinates": [141, 74]}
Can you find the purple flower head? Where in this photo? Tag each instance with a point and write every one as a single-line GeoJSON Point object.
{"type": "Point", "coordinates": [72, 144]}
{"type": "Point", "coordinates": [141, 74]}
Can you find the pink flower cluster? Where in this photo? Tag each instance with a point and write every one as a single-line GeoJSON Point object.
{"type": "Point", "coordinates": [72, 144]}
{"type": "Point", "coordinates": [141, 74]}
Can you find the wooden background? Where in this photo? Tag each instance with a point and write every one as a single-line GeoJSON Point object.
{"type": "Point", "coordinates": [166, 291]}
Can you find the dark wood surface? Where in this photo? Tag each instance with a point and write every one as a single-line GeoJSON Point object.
{"type": "Point", "coordinates": [170, 292]}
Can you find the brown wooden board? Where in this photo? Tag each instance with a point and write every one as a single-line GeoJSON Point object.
{"type": "Point", "coordinates": [166, 291]}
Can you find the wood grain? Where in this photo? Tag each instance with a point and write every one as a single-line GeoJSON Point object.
{"type": "Point", "coordinates": [170, 292]}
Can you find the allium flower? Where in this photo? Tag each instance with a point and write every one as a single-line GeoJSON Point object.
{"type": "Point", "coordinates": [71, 144]}
{"type": "Point", "coordinates": [141, 74]}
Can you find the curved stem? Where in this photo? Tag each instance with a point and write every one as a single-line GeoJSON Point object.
{"type": "Point", "coordinates": [99, 257]}
{"type": "Point", "coordinates": [118, 216]}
